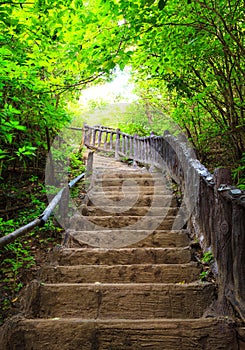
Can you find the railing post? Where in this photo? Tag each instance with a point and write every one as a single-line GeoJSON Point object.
{"type": "Point", "coordinates": [87, 135]}
{"type": "Point", "coordinates": [94, 131]}
{"type": "Point", "coordinates": [111, 140]}
{"type": "Point", "coordinates": [117, 144]}
{"type": "Point", "coordinates": [127, 146]}
{"type": "Point", "coordinates": [123, 144]}
{"type": "Point", "coordinates": [84, 130]}
{"type": "Point", "coordinates": [144, 150]}
{"type": "Point", "coordinates": [152, 153]}
{"type": "Point", "coordinates": [99, 138]}
{"type": "Point", "coordinates": [135, 150]}
{"type": "Point", "coordinates": [90, 162]}
{"type": "Point", "coordinates": [131, 147]}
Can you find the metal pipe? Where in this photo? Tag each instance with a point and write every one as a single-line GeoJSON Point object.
{"type": "Point", "coordinates": [41, 220]}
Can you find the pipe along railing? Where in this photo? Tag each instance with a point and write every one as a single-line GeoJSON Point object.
{"type": "Point", "coordinates": [42, 219]}
{"type": "Point", "coordinates": [217, 215]}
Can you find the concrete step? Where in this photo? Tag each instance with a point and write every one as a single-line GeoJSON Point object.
{"type": "Point", "coordinates": [110, 175]}
{"type": "Point", "coordinates": [120, 335]}
{"type": "Point", "coordinates": [112, 301]}
{"type": "Point", "coordinates": [122, 256]}
{"type": "Point", "coordinates": [120, 191]}
{"type": "Point", "coordinates": [129, 238]}
{"type": "Point", "coordinates": [125, 211]}
{"type": "Point", "coordinates": [131, 200]}
{"type": "Point", "coordinates": [117, 181]}
{"type": "Point", "coordinates": [137, 273]}
{"type": "Point", "coordinates": [147, 222]}
{"type": "Point", "coordinates": [160, 334]}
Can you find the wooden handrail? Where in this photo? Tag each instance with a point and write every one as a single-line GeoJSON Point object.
{"type": "Point", "coordinates": [122, 144]}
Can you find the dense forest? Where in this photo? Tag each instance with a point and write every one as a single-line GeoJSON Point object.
{"type": "Point", "coordinates": [186, 59]}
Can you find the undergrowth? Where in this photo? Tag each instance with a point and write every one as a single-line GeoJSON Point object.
{"type": "Point", "coordinates": [20, 259]}
{"type": "Point", "coordinates": [239, 174]}
{"type": "Point", "coordinates": [22, 201]}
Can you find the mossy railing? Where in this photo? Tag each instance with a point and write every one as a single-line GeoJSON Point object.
{"type": "Point", "coordinates": [215, 209]}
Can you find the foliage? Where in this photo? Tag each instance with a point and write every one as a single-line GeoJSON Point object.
{"type": "Point", "coordinates": [133, 128]}
{"type": "Point", "coordinates": [19, 259]}
{"type": "Point", "coordinates": [207, 260]}
{"type": "Point", "coordinates": [239, 174]}
{"type": "Point", "coordinates": [77, 166]}
{"type": "Point", "coordinates": [46, 57]}
{"type": "Point", "coordinates": [187, 59]}
{"type": "Point", "coordinates": [192, 53]}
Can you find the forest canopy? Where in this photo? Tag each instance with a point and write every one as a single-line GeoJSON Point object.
{"type": "Point", "coordinates": [186, 58]}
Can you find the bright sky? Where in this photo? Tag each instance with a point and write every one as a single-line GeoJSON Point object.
{"type": "Point", "coordinates": [109, 91]}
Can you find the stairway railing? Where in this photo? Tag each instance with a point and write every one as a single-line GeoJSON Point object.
{"type": "Point", "coordinates": [217, 217]}
{"type": "Point", "coordinates": [140, 149]}
{"type": "Point", "coordinates": [41, 219]}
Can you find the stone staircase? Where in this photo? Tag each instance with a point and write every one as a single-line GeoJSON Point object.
{"type": "Point", "coordinates": [125, 278]}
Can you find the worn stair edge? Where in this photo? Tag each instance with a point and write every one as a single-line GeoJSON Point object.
{"type": "Point", "coordinates": [122, 256]}
{"type": "Point", "coordinates": [151, 221]}
{"type": "Point", "coordinates": [105, 175]}
{"type": "Point", "coordinates": [136, 273]}
{"type": "Point", "coordinates": [134, 211]}
{"type": "Point", "coordinates": [115, 239]}
{"type": "Point", "coordinates": [120, 300]}
{"type": "Point", "coordinates": [119, 334]}
{"type": "Point", "coordinates": [114, 192]}
{"type": "Point", "coordinates": [137, 201]}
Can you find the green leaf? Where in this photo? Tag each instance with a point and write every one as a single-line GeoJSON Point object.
{"type": "Point", "coordinates": [3, 154]}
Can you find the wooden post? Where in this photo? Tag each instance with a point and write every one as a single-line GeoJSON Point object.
{"type": "Point", "coordinates": [135, 150]}
{"type": "Point", "coordinates": [111, 140]}
{"type": "Point", "coordinates": [123, 144]}
{"type": "Point", "coordinates": [99, 138]}
{"type": "Point", "coordinates": [221, 240]}
{"type": "Point", "coordinates": [117, 144]}
{"type": "Point", "coordinates": [236, 292]}
{"type": "Point", "coordinates": [87, 135]}
{"type": "Point", "coordinates": [90, 163]}
{"type": "Point", "coordinates": [93, 137]}
{"type": "Point", "coordinates": [126, 146]}
{"type": "Point", "coordinates": [140, 150]}
{"type": "Point", "coordinates": [131, 146]}
{"type": "Point", "coordinates": [147, 145]}
{"type": "Point", "coordinates": [152, 153]}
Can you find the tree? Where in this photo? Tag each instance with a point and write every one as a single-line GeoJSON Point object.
{"type": "Point", "coordinates": [187, 58]}
{"type": "Point", "coordinates": [195, 49]}
{"type": "Point", "coordinates": [46, 57]}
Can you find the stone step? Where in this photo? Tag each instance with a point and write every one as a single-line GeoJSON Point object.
{"type": "Point", "coordinates": [114, 181]}
{"type": "Point", "coordinates": [115, 191]}
{"type": "Point", "coordinates": [147, 222]}
{"type": "Point", "coordinates": [160, 334]}
{"type": "Point", "coordinates": [110, 175]}
{"type": "Point", "coordinates": [137, 273]}
{"type": "Point", "coordinates": [112, 301]}
{"type": "Point", "coordinates": [134, 211]}
{"type": "Point", "coordinates": [132, 200]}
{"type": "Point", "coordinates": [122, 256]}
{"type": "Point", "coordinates": [130, 238]}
